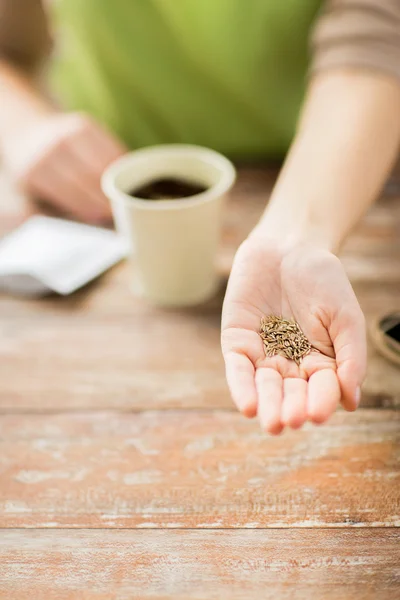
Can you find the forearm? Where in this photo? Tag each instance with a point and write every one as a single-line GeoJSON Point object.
{"type": "Point", "coordinates": [347, 142]}
{"type": "Point", "coordinates": [25, 43]}
{"type": "Point", "coordinates": [20, 100]}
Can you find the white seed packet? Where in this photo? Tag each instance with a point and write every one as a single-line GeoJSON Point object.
{"type": "Point", "coordinates": [53, 255]}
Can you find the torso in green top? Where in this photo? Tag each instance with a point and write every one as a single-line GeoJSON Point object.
{"type": "Point", "coordinates": [229, 74]}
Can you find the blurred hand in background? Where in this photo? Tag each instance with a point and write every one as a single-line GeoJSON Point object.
{"type": "Point", "coordinates": [59, 158]}
{"type": "Point", "coordinates": [54, 156]}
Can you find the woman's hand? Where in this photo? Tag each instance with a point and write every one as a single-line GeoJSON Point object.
{"type": "Point", "coordinates": [309, 285]}
{"type": "Point", "coordinates": [59, 158]}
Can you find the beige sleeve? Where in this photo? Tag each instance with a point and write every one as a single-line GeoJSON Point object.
{"type": "Point", "coordinates": [358, 33]}
{"type": "Point", "coordinates": [24, 35]}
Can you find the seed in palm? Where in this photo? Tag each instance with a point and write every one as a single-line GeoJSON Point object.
{"type": "Point", "coordinates": [284, 337]}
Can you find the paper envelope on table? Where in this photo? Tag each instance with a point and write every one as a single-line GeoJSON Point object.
{"type": "Point", "coordinates": [53, 255]}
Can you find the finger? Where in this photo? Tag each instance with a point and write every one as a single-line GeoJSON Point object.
{"type": "Point", "coordinates": [269, 391]}
{"type": "Point", "coordinates": [294, 407]}
{"type": "Point", "coordinates": [89, 174]}
{"type": "Point", "coordinates": [95, 157]}
{"type": "Point", "coordinates": [240, 378]}
{"type": "Point", "coordinates": [53, 187]}
{"type": "Point", "coordinates": [98, 147]}
{"type": "Point", "coordinates": [323, 395]}
{"type": "Point", "coordinates": [350, 346]}
{"type": "Point", "coordinates": [82, 178]}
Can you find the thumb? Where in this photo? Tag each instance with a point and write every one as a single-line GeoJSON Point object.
{"type": "Point", "coordinates": [350, 344]}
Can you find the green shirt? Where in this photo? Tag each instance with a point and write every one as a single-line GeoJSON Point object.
{"type": "Point", "coordinates": [228, 74]}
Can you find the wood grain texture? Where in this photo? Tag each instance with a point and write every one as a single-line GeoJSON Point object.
{"type": "Point", "coordinates": [104, 349]}
{"type": "Point", "coordinates": [71, 458]}
{"type": "Point", "coordinates": [242, 565]}
{"type": "Point", "coordinates": [197, 469]}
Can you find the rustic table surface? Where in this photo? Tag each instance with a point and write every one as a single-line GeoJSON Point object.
{"type": "Point", "coordinates": [126, 473]}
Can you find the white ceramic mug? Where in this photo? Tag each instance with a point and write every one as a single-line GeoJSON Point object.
{"type": "Point", "coordinates": [173, 242]}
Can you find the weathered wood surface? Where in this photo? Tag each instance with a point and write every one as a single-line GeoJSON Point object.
{"type": "Point", "coordinates": [71, 459]}
{"type": "Point", "coordinates": [197, 469]}
{"type": "Point", "coordinates": [104, 349]}
{"type": "Point", "coordinates": [161, 565]}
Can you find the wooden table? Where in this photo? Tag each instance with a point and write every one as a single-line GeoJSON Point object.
{"type": "Point", "coordinates": [126, 473]}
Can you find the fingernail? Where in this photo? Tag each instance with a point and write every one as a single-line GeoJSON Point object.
{"type": "Point", "coordinates": [357, 396]}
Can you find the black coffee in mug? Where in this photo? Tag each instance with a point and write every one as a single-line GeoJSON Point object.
{"type": "Point", "coordinates": [167, 188]}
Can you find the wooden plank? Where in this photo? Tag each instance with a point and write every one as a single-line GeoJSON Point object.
{"type": "Point", "coordinates": [104, 349]}
{"type": "Point", "coordinates": [144, 358]}
{"type": "Point", "coordinates": [107, 350]}
{"type": "Point", "coordinates": [269, 564]}
{"type": "Point", "coordinates": [382, 384]}
{"type": "Point", "coordinates": [197, 469]}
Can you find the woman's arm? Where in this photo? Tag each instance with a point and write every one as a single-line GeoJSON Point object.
{"type": "Point", "coordinates": [350, 128]}
{"type": "Point", "coordinates": [21, 101]}
{"type": "Point", "coordinates": [344, 149]}
{"type": "Point", "coordinates": [55, 156]}
{"type": "Point", "coordinates": [24, 44]}
{"type": "Point", "coordinates": [346, 145]}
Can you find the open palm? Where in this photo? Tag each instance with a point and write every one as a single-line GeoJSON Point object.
{"type": "Point", "coordinates": [309, 285]}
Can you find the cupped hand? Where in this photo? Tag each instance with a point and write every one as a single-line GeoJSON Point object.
{"type": "Point", "coordinates": [307, 284]}
{"type": "Point", "coordinates": [59, 158]}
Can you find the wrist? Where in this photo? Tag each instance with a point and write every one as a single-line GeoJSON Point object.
{"type": "Point", "coordinates": [288, 231]}
{"type": "Point", "coordinates": [25, 119]}
{"type": "Point", "coordinates": [23, 105]}
{"type": "Point", "coordinates": [20, 138]}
